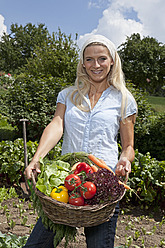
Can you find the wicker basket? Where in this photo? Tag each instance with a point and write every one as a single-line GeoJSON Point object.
{"type": "Point", "coordinates": [75, 216]}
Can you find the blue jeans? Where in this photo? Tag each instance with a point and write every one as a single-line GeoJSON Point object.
{"type": "Point", "coordinates": [40, 237]}
{"type": "Point", "coordinates": [101, 236]}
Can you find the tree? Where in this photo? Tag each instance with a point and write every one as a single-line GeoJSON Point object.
{"type": "Point", "coordinates": [144, 62]}
{"type": "Point", "coordinates": [17, 47]}
{"type": "Point", "coordinates": [57, 57]}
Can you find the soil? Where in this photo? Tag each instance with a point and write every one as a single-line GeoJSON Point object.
{"type": "Point", "coordinates": [135, 227]}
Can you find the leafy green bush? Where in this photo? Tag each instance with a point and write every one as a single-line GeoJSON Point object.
{"type": "Point", "coordinates": [149, 127]}
{"type": "Point", "coordinates": [147, 179]}
{"type": "Point", "coordinates": [5, 79]}
{"type": "Point", "coordinates": [12, 158]}
{"type": "Point", "coordinates": [145, 112]}
{"type": "Point", "coordinates": [154, 140]}
{"type": "Point", "coordinates": [33, 99]}
{"type": "Point", "coordinates": [7, 132]}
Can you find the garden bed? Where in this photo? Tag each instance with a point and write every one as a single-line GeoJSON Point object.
{"type": "Point", "coordinates": [136, 227]}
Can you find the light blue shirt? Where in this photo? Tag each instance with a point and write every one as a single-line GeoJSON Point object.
{"type": "Point", "coordinates": [95, 131]}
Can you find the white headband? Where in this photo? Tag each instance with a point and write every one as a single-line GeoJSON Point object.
{"type": "Point", "coordinates": [101, 39]}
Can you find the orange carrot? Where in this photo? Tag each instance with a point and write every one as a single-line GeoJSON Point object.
{"type": "Point", "coordinates": [102, 161]}
{"type": "Point", "coordinates": [125, 185]}
{"type": "Point", "coordinates": [97, 162]}
{"type": "Point", "coordinates": [94, 168]}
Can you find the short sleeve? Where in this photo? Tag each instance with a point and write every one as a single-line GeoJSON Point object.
{"type": "Point", "coordinates": [131, 106]}
{"type": "Point", "coordinates": [62, 96]}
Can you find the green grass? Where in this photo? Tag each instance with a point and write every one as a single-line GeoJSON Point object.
{"type": "Point", "coordinates": [157, 103]}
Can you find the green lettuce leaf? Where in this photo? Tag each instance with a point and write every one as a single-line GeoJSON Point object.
{"type": "Point", "coordinates": [53, 174]}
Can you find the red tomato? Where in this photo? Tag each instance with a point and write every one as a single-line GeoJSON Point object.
{"type": "Point", "coordinates": [88, 190]}
{"type": "Point", "coordinates": [72, 181]}
{"type": "Point", "coordinates": [76, 200]}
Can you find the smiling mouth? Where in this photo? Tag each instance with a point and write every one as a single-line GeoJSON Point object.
{"type": "Point", "coordinates": [96, 72]}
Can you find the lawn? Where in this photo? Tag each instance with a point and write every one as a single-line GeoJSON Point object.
{"type": "Point", "coordinates": [157, 103]}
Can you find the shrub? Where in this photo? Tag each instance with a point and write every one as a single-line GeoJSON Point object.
{"type": "Point", "coordinates": [7, 132]}
{"type": "Point", "coordinates": [154, 140]}
{"type": "Point", "coordinates": [12, 158]}
{"type": "Point", "coordinates": [145, 112]}
{"type": "Point", "coordinates": [149, 127]}
{"type": "Point", "coordinates": [5, 81]}
{"type": "Point", "coordinates": [33, 99]}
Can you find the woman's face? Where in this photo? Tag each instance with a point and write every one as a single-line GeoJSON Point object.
{"type": "Point", "coordinates": [97, 63]}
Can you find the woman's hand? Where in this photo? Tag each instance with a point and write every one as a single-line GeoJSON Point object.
{"type": "Point", "coordinates": [123, 167]}
{"type": "Point", "coordinates": [33, 166]}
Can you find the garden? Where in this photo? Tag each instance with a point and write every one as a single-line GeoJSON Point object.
{"type": "Point", "coordinates": [25, 83]}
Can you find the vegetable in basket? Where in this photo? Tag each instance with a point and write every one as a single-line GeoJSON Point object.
{"type": "Point", "coordinates": [88, 190]}
{"type": "Point", "coordinates": [72, 181]}
{"type": "Point", "coordinates": [60, 194]}
{"type": "Point", "coordinates": [108, 187]}
{"type": "Point", "coordinates": [77, 187]}
{"type": "Point", "coordinates": [53, 174]}
{"type": "Point", "coordinates": [76, 199]}
{"type": "Point", "coordinates": [83, 167]}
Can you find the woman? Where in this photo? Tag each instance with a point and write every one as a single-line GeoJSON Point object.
{"type": "Point", "coordinates": [90, 114]}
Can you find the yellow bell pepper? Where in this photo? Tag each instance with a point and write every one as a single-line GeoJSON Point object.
{"type": "Point", "coordinates": [60, 194]}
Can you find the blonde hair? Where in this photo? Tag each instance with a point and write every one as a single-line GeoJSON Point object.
{"type": "Point", "coordinates": [115, 78]}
